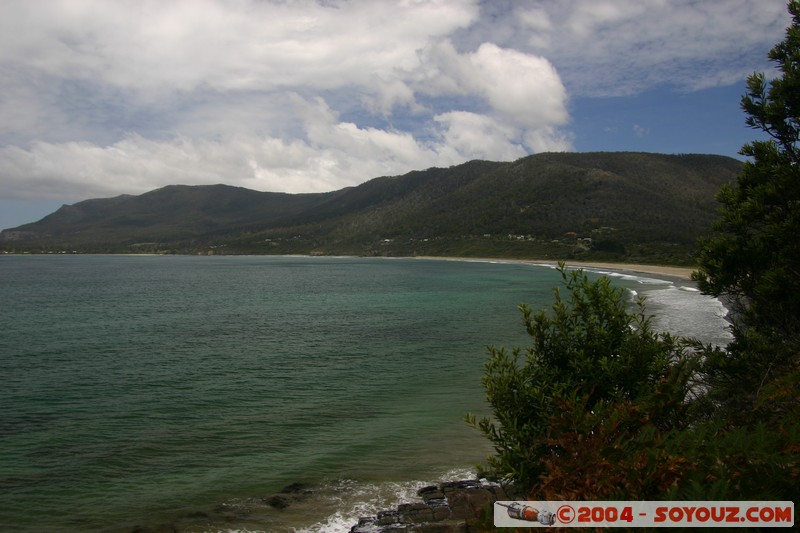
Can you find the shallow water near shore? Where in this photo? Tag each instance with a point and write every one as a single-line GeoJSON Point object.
{"type": "Point", "coordinates": [192, 390]}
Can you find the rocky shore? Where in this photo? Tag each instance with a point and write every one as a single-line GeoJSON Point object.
{"type": "Point", "coordinates": [450, 507]}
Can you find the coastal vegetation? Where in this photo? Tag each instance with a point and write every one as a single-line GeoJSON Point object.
{"type": "Point", "coordinates": [601, 407]}
{"type": "Point", "coordinates": [577, 414]}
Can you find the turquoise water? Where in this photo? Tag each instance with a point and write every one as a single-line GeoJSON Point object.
{"type": "Point", "coordinates": [189, 390]}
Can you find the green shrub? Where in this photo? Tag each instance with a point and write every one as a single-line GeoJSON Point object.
{"type": "Point", "coordinates": [591, 361]}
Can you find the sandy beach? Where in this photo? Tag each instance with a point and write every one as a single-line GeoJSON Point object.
{"type": "Point", "coordinates": [684, 273]}
{"type": "Point", "coordinates": [671, 271]}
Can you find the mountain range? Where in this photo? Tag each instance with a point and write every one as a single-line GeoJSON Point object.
{"type": "Point", "coordinates": [621, 206]}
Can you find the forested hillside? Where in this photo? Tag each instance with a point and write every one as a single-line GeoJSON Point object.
{"type": "Point", "coordinates": [635, 206]}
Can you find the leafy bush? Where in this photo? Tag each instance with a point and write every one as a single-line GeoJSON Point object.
{"type": "Point", "coordinates": [602, 407]}
{"type": "Point", "coordinates": [595, 373]}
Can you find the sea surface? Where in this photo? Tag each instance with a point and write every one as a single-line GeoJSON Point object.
{"type": "Point", "coordinates": [142, 390]}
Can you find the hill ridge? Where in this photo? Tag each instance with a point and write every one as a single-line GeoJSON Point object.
{"type": "Point", "coordinates": [614, 202]}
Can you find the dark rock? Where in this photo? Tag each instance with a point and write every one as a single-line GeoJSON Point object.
{"type": "Point", "coordinates": [278, 502]}
{"type": "Point", "coordinates": [437, 502]}
{"type": "Point", "coordinates": [428, 490]}
{"type": "Point", "coordinates": [452, 507]}
{"type": "Point", "coordinates": [451, 486]}
{"type": "Point", "coordinates": [385, 518]}
{"type": "Point", "coordinates": [468, 504]}
{"type": "Point", "coordinates": [415, 513]}
{"type": "Point", "coordinates": [288, 495]}
{"type": "Point", "coordinates": [441, 512]}
{"type": "Point", "coordinates": [365, 525]}
{"type": "Point", "coordinates": [432, 492]}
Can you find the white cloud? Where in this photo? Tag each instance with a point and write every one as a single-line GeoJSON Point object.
{"type": "Point", "coordinates": [332, 154]}
{"type": "Point", "coordinates": [522, 87]}
{"type": "Point", "coordinates": [640, 131]}
{"type": "Point", "coordinates": [336, 154]}
{"type": "Point", "coordinates": [100, 98]}
{"type": "Point", "coordinates": [388, 95]}
{"type": "Point", "coordinates": [526, 101]}
{"type": "Point", "coordinates": [468, 135]}
{"type": "Point", "coordinates": [126, 96]}
{"type": "Point", "coordinates": [622, 47]}
{"type": "Point", "coordinates": [549, 139]}
{"type": "Point", "coordinates": [233, 45]}
{"type": "Point", "coordinates": [136, 164]}
{"type": "Point", "coordinates": [345, 149]}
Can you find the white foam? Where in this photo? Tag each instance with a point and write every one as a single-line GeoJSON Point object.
{"type": "Point", "coordinates": [358, 499]}
{"type": "Point", "coordinates": [629, 277]}
{"type": "Point", "coordinates": [687, 312]}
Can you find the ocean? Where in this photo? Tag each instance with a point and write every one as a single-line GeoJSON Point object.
{"type": "Point", "coordinates": [251, 393]}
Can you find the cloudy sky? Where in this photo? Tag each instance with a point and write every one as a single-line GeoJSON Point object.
{"type": "Point", "coordinates": [105, 97]}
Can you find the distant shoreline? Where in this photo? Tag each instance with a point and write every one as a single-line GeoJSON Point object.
{"type": "Point", "coordinates": [683, 273]}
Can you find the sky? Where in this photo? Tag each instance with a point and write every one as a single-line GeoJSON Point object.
{"type": "Point", "coordinates": [100, 98]}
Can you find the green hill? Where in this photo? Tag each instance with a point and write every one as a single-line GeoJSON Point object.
{"type": "Point", "coordinates": [622, 206]}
